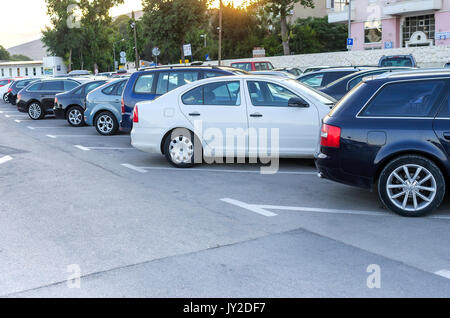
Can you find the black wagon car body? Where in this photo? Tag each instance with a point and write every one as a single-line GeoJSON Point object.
{"type": "Point", "coordinates": [17, 86]}
{"type": "Point", "coordinates": [71, 105]}
{"type": "Point", "coordinates": [392, 134]}
{"type": "Point", "coordinates": [37, 99]}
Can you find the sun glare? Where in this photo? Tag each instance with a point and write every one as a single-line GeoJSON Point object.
{"type": "Point", "coordinates": [236, 3]}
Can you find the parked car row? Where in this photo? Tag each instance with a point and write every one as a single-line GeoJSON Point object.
{"type": "Point", "coordinates": [389, 131]}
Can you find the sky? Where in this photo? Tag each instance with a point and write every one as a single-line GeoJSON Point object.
{"type": "Point", "coordinates": [22, 20]}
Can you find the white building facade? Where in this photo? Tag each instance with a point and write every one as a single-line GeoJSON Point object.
{"type": "Point", "coordinates": [49, 66]}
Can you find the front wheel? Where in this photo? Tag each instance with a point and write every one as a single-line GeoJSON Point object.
{"type": "Point", "coordinates": [6, 98]}
{"type": "Point", "coordinates": [411, 185]}
{"type": "Point", "coordinates": [35, 111]}
{"type": "Point", "coordinates": [106, 124]}
{"type": "Point", "coordinates": [182, 149]}
{"type": "Point", "coordinates": [75, 116]}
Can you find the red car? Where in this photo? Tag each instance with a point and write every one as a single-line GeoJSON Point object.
{"type": "Point", "coordinates": [253, 66]}
{"type": "Point", "coordinates": [5, 81]}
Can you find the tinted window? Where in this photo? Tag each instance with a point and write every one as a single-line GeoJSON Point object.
{"type": "Point", "coordinates": [144, 84]}
{"type": "Point", "coordinates": [69, 85]}
{"type": "Point", "coordinates": [212, 74]}
{"type": "Point", "coordinates": [397, 61]}
{"type": "Point", "coordinates": [163, 83]}
{"type": "Point", "coordinates": [78, 91]}
{"type": "Point", "coordinates": [262, 67]}
{"type": "Point", "coordinates": [193, 97]}
{"type": "Point", "coordinates": [90, 87]}
{"type": "Point", "coordinates": [120, 88]}
{"type": "Point", "coordinates": [412, 99]}
{"type": "Point", "coordinates": [172, 80]}
{"type": "Point", "coordinates": [269, 94]}
{"type": "Point", "coordinates": [57, 86]}
{"type": "Point", "coordinates": [109, 89]}
{"type": "Point", "coordinates": [34, 87]}
{"type": "Point", "coordinates": [445, 108]}
{"type": "Point", "coordinates": [222, 93]}
{"type": "Point", "coordinates": [243, 66]}
{"type": "Point", "coordinates": [333, 76]}
{"type": "Point", "coordinates": [22, 84]}
{"type": "Point", "coordinates": [314, 80]}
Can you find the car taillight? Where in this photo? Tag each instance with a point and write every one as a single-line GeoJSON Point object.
{"type": "Point", "coordinates": [330, 136]}
{"type": "Point", "coordinates": [135, 115]}
{"type": "Point", "coordinates": [56, 100]}
{"type": "Point", "coordinates": [9, 90]}
{"type": "Point", "coordinates": [123, 106]}
{"type": "Point", "coordinates": [19, 97]}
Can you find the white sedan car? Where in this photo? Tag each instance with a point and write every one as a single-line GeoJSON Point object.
{"type": "Point", "coordinates": [4, 91]}
{"type": "Point", "coordinates": [232, 116]}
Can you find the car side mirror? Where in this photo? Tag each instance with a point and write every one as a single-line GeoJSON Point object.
{"type": "Point", "coordinates": [297, 102]}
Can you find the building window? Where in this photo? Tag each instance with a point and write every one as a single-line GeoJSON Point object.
{"type": "Point", "coordinates": [372, 32]}
{"type": "Point", "coordinates": [3, 72]}
{"type": "Point", "coordinates": [423, 23]}
{"type": "Point", "coordinates": [42, 71]}
{"type": "Point", "coordinates": [34, 71]}
{"type": "Point", "coordinates": [337, 5]}
{"type": "Point", "coordinates": [10, 72]}
{"type": "Point", "coordinates": [26, 71]}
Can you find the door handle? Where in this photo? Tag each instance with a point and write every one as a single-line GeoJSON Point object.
{"type": "Point", "coordinates": [196, 114]}
{"type": "Point", "coordinates": [256, 115]}
{"type": "Point", "coordinates": [446, 135]}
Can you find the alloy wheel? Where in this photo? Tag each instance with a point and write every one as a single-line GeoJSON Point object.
{"type": "Point", "coordinates": [35, 111]}
{"type": "Point", "coordinates": [411, 187]}
{"type": "Point", "coordinates": [75, 117]}
{"type": "Point", "coordinates": [105, 124]}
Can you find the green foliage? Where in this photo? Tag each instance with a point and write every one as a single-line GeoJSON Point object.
{"type": "Point", "coordinates": [4, 54]}
{"type": "Point", "coordinates": [315, 35]}
{"type": "Point", "coordinates": [87, 46]}
{"type": "Point", "coordinates": [19, 57]}
{"type": "Point", "coordinates": [167, 23]}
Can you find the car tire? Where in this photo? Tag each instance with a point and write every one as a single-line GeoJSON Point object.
{"type": "Point", "coordinates": [182, 149]}
{"type": "Point", "coordinates": [106, 123]}
{"type": "Point", "coordinates": [411, 186]}
{"type": "Point", "coordinates": [75, 116]}
{"type": "Point", "coordinates": [6, 98]}
{"type": "Point", "coordinates": [35, 111]}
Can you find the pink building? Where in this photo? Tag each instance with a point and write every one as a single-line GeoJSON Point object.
{"type": "Point", "coordinates": [378, 24]}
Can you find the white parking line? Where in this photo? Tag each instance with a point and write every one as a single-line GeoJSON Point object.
{"type": "Point", "coordinates": [444, 273]}
{"type": "Point", "coordinates": [55, 127]}
{"type": "Point", "coordinates": [21, 120]}
{"type": "Point", "coordinates": [250, 207]}
{"type": "Point", "coordinates": [5, 159]}
{"type": "Point", "coordinates": [146, 169]}
{"type": "Point", "coordinates": [8, 111]}
{"type": "Point", "coordinates": [102, 148]}
{"type": "Point", "coordinates": [84, 136]}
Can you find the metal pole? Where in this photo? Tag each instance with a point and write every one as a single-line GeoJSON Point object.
{"type": "Point", "coordinates": [114, 49]}
{"type": "Point", "coordinates": [220, 33]}
{"type": "Point", "coordinates": [135, 42]}
{"type": "Point", "coordinates": [349, 21]}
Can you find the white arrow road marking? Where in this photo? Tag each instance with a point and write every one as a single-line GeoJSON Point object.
{"type": "Point", "coordinates": [5, 159]}
{"type": "Point", "coordinates": [444, 273]}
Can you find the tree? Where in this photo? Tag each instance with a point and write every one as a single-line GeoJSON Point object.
{"type": "Point", "coordinates": [4, 54]}
{"type": "Point", "coordinates": [81, 32]}
{"type": "Point", "coordinates": [282, 8]}
{"type": "Point", "coordinates": [168, 22]}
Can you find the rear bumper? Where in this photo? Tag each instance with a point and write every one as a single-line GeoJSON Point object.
{"type": "Point", "coordinates": [22, 106]}
{"type": "Point", "coordinates": [126, 124]}
{"type": "Point", "coordinates": [329, 168]}
{"type": "Point", "coordinates": [146, 139]}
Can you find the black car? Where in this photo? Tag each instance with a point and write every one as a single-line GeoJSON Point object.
{"type": "Point", "coordinates": [324, 77]}
{"type": "Point", "coordinates": [151, 83]}
{"type": "Point", "coordinates": [71, 105]}
{"type": "Point", "coordinates": [392, 134]}
{"type": "Point", "coordinates": [37, 99]}
{"type": "Point", "coordinates": [17, 86]}
{"type": "Point", "coordinates": [342, 86]}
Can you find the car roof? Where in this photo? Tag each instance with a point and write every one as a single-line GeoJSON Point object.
{"type": "Point", "coordinates": [410, 75]}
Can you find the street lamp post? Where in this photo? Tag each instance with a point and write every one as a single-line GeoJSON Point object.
{"type": "Point", "coordinates": [204, 36]}
{"type": "Point", "coordinates": [133, 26]}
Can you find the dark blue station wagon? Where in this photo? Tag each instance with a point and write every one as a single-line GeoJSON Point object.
{"type": "Point", "coordinates": [392, 134]}
{"type": "Point", "coordinates": [152, 83]}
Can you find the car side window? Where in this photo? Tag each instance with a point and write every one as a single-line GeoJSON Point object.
{"type": "Point", "coordinates": [35, 87]}
{"type": "Point", "coordinates": [405, 99]}
{"type": "Point", "coordinates": [212, 74]}
{"type": "Point", "coordinates": [221, 93]}
{"type": "Point", "coordinates": [119, 88]}
{"type": "Point", "coordinates": [314, 80]}
{"type": "Point", "coordinates": [163, 83]}
{"type": "Point", "coordinates": [177, 79]}
{"type": "Point", "coordinates": [444, 111]}
{"type": "Point", "coordinates": [269, 94]}
{"type": "Point", "coordinates": [358, 79]}
{"type": "Point", "coordinates": [69, 85]}
{"type": "Point", "coordinates": [144, 84]}
{"type": "Point", "coordinates": [90, 87]}
{"type": "Point", "coordinates": [109, 89]}
{"type": "Point", "coordinates": [53, 86]}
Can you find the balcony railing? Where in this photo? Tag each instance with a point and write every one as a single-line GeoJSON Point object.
{"type": "Point", "coordinates": [401, 7]}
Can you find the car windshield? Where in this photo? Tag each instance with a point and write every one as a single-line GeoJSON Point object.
{"type": "Point", "coordinates": [396, 61]}
{"type": "Point", "coordinates": [321, 97]}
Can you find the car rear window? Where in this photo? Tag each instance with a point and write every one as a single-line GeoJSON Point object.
{"type": "Point", "coordinates": [397, 61]}
{"type": "Point", "coordinates": [243, 66]}
{"type": "Point", "coordinates": [3, 82]}
{"type": "Point", "coordinates": [405, 99]}
{"type": "Point", "coordinates": [53, 86]}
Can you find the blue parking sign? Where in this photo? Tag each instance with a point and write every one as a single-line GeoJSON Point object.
{"type": "Point", "coordinates": [349, 42]}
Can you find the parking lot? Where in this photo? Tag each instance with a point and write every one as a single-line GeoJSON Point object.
{"type": "Point", "coordinates": [135, 226]}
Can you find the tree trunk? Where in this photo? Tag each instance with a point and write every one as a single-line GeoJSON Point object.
{"type": "Point", "coordinates": [284, 34]}
{"type": "Point", "coordinates": [183, 58]}
{"type": "Point", "coordinates": [70, 60]}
